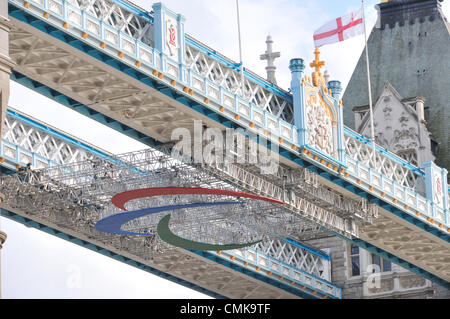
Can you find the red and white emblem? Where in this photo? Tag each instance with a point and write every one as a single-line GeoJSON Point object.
{"type": "Point", "coordinates": [438, 194]}
{"type": "Point", "coordinates": [172, 35]}
{"type": "Point", "coordinates": [172, 38]}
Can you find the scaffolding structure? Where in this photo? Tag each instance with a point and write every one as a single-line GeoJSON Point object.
{"type": "Point", "coordinates": [84, 191]}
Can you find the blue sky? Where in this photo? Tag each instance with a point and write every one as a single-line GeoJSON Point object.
{"type": "Point", "coordinates": [37, 265]}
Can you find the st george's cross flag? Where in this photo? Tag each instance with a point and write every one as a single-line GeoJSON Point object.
{"type": "Point", "coordinates": [340, 29]}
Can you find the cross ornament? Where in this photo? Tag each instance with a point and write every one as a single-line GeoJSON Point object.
{"type": "Point", "coordinates": [317, 64]}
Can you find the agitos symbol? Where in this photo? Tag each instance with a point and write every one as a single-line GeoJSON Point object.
{"type": "Point", "coordinates": [113, 224]}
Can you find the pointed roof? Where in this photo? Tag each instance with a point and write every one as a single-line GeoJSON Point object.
{"type": "Point", "coordinates": [387, 87]}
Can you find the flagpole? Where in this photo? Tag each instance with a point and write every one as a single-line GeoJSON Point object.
{"type": "Point", "coordinates": [368, 81]}
{"type": "Point", "coordinates": [240, 46]}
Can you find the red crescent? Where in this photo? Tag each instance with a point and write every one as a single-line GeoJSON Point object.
{"type": "Point", "coordinates": [121, 199]}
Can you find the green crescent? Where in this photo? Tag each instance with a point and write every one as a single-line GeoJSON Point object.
{"type": "Point", "coordinates": [169, 237]}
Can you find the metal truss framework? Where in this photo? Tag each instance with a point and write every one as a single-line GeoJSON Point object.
{"type": "Point", "coordinates": [402, 174]}
{"type": "Point", "coordinates": [294, 255]}
{"type": "Point", "coordinates": [153, 124]}
{"type": "Point", "coordinates": [223, 73]}
{"type": "Point", "coordinates": [229, 77]}
{"type": "Point", "coordinates": [32, 192]}
{"type": "Point", "coordinates": [110, 94]}
{"type": "Point", "coordinates": [26, 143]}
{"type": "Point", "coordinates": [53, 203]}
{"type": "Point", "coordinates": [125, 19]}
{"type": "Point", "coordinates": [304, 196]}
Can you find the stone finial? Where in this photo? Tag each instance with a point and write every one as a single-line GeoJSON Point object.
{"type": "Point", "coordinates": [335, 87]}
{"type": "Point", "coordinates": [420, 108]}
{"type": "Point", "coordinates": [270, 56]}
{"type": "Point", "coordinates": [326, 76]}
{"type": "Point", "coordinates": [297, 65]}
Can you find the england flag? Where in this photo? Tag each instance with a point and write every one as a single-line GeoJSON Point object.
{"type": "Point", "coordinates": [340, 29]}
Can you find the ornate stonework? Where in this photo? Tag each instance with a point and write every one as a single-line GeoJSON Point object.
{"type": "Point", "coordinates": [399, 126]}
{"type": "Point", "coordinates": [2, 239]}
{"type": "Point", "coordinates": [319, 123]}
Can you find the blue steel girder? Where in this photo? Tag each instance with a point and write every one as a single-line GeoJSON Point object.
{"type": "Point", "coordinates": [30, 223]}
{"type": "Point", "coordinates": [15, 117]}
{"type": "Point", "coordinates": [286, 286]}
{"type": "Point", "coordinates": [154, 143]}
{"type": "Point", "coordinates": [170, 92]}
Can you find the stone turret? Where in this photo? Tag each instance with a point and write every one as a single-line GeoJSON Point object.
{"type": "Point", "coordinates": [409, 48]}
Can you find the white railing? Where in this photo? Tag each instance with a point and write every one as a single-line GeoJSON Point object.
{"type": "Point", "coordinates": [281, 271]}
{"type": "Point", "coordinates": [261, 109]}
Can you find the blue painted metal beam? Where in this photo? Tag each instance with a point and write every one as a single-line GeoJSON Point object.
{"type": "Point", "coordinates": [281, 285]}
{"type": "Point", "coordinates": [23, 16]}
{"type": "Point", "coordinates": [30, 223]}
{"type": "Point", "coordinates": [147, 140]}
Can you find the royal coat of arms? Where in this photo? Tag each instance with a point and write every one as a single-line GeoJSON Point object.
{"type": "Point", "coordinates": [320, 125]}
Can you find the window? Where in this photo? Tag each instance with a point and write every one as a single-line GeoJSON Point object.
{"type": "Point", "coordinates": [354, 259]}
{"type": "Point", "coordinates": [385, 265]}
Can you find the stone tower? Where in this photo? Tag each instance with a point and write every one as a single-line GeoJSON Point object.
{"type": "Point", "coordinates": [409, 48]}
